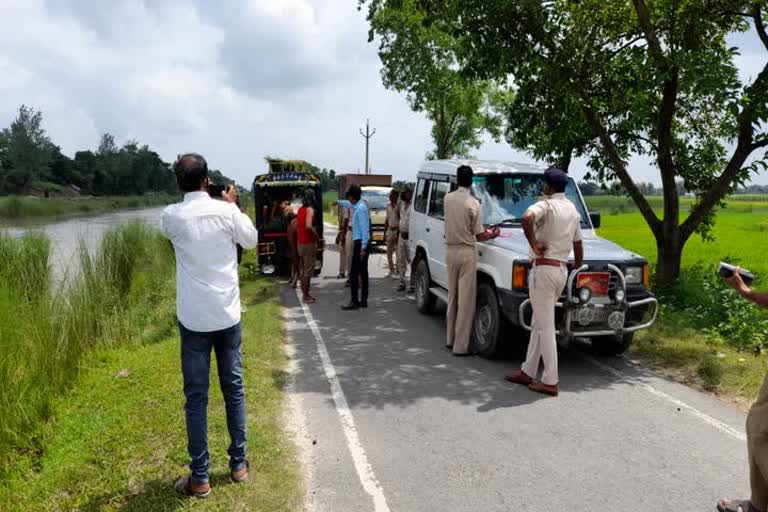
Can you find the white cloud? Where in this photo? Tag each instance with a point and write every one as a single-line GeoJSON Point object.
{"type": "Point", "coordinates": [235, 80]}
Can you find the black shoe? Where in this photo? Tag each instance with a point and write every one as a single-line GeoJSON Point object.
{"type": "Point", "coordinates": [401, 288]}
{"type": "Point", "coordinates": [364, 304]}
{"type": "Point", "coordinates": [341, 276]}
{"type": "Point", "coordinates": [350, 307]}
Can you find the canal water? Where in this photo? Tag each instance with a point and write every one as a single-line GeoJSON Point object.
{"type": "Point", "coordinates": [66, 234]}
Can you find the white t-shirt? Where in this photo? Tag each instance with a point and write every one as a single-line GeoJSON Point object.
{"type": "Point", "coordinates": [204, 232]}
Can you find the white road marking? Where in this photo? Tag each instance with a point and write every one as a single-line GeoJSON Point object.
{"type": "Point", "coordinates": [719, 425]}
{"type": "Point", "coordinates": [362, 466]}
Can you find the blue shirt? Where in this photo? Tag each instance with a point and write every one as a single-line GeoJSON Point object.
{"type": "Point", "coordinates": [361, 222]}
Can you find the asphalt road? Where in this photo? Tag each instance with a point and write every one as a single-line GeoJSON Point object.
{"type": "Point", "coordinates": [388, 420]}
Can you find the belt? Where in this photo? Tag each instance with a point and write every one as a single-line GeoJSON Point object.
{"type": "Point", "coordinates": [548, 262]}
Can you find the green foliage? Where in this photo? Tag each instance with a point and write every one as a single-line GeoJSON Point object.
{"type": "Point", "coordinates": [608, 80]}
{"type": "Point", "coordinates": [15, 208]}
{"type": "Point", "coordinates": [419, 59]}
{"type": "Point", "coordinates": [122, 296]}
{"type": "Point", "coordinates": [710, 370]}
{"type": "Point", "coordinates": [26, 150]}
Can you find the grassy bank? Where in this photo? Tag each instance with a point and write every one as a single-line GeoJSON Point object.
{"type": "Point", "coordinates": [330, 210]}
{"type": "Point", "coordinates": [706, 335]}
{"type": "Point", "coordinates": [16, 208]}
{"type": "Point", "coordinates": [123, 296]}
{"type": "Point", "coordinates": [107, 432]}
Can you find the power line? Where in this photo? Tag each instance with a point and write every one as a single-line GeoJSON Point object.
{"type": "Point", "coordinates": [368, 135]}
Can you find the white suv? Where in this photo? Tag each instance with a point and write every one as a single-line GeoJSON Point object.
{"type": "Point", "coordinates": [606, 300]}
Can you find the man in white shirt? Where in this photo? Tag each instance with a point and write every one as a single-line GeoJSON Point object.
{"type": "Point", "coordinates": [204, 233]}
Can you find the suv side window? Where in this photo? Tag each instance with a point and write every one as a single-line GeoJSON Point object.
{"type": "Point", "coordinates": [422, 196]}
{"type": "Point", "coordinates": [437, 200]}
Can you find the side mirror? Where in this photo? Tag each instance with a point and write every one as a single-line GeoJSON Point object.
{"type": "Point", "coordinates": [595, 218]}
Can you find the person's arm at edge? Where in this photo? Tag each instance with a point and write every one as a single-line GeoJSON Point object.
{"type": "Point", "coordinates": [345, 203]}
{"type": "Point", "coordinates": [738, 284]}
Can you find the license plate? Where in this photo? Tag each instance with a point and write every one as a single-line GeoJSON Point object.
{"type": "Point", "coordinates": [267, 249]}
{"type": "Point", "coordinates": [597, 282]}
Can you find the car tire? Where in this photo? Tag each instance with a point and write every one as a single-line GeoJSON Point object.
{"type": "Point", "coordinates": [487, 323]}
{"type": "Point", "coordinates": [425, 301]}
{"type": "Point", "coordinates": [612, 345]}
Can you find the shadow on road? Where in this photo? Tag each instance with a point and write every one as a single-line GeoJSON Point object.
{"type": "Point", "coordinates": [389, 354]}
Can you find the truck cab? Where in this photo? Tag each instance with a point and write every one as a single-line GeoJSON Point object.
{"type": "Point", "coordinates": [606, 300]}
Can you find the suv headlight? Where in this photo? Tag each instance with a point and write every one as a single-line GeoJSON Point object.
{"type": "Point", "coordinates": [634, 275]}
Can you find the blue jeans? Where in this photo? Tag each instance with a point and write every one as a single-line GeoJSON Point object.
{"type": "Point", "coordinates": [195, 365]}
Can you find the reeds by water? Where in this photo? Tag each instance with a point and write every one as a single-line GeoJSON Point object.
{"type": "Point", "coordinates": [123, 294]}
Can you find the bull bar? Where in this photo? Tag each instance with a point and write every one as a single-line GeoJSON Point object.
{"type": "Point", "coordinates": [570, 306]}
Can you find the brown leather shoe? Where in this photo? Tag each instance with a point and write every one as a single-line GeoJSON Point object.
{"type": "Point", "coordinates": [185, 487]}
{"type": "Point", "coordinates": [519, 377]}
{"type": "Point", "coordinates": [544, 389]}
{"type": "Point", "coordinates": [241, 475]}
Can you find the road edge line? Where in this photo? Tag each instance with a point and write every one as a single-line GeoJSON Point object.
{"type": "Point", "coordinates": [714, 422]}
{"type": "Point", "coordinates": [359, 458]}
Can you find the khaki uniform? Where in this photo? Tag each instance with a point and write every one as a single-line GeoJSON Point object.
{"type": "Point", "coordinates": [558, 225]}
{"type": "Point", "coordinates": [403, 245]}
{"type": "Point", "coordinates": [462, 223]}
{"type": "Point", "coordinates": [391, 236]}
{"type": "Point", "coordinates": [757, 447]}
{"type": "Point", "coordinates": [345, 246]}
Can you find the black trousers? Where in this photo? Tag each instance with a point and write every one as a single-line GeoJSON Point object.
{"type": "Point", "coordinates": [359, 274]}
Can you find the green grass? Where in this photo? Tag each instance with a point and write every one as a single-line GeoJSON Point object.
{"type": "Point", "coordinates": [738, 236]}
{"type": "Point", "coordinates": [92, 393]}
{"type": "Point", "coordinates": [612, 205]}
{"type": "Point", "coordinates": [16, 208]}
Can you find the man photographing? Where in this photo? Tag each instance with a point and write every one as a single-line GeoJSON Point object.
{"type": "Point", "coordinates": [204, 233]}
{"type": "Point", "coordinates": [757, 427]}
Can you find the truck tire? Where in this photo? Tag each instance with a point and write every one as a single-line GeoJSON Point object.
{"type": "Point", "coordinates": [486, 327]}
{"type": "Point", "coordinates": [612, 345]}
{"type": "Point", "coordinates": [425, 301]}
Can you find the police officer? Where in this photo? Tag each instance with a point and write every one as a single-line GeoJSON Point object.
{"type": "Point", "coordinates": [463, 228]}
{"type": "Point", "coordinates": [391, 229]}
{"type": "Point", "coordinates": [552, 227]}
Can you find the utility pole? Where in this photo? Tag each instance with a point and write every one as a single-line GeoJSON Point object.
{"type": "Point", "coordinates": [368, 135]}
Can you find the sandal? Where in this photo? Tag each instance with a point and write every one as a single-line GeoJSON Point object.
{"type": "Point", "coordinates": [734, 506]}
{"type": "Point", "coordinates": [185, 487]}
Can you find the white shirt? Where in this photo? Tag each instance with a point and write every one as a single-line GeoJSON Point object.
{"type": "Point", "coordinates": [204, 233]}
{"type": "Point", "coordinates": [557, 224]}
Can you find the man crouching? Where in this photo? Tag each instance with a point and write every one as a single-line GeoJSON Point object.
{"type": "Point", "coordinates": [205, 234]}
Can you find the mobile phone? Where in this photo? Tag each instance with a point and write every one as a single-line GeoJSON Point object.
{"type": "Point", "coordinates": [727, 270]}
{"type": "Point", "coordinates": [215, 191]}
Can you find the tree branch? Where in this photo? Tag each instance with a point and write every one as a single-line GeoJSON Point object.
{"type": "Point", "coordinates": [646, 26]}
{"type": "Point", "coordinates": [757, 17]}
{"type": "Point", "coordinates": [621, 171]}
{"type": "Point", "coordinates": [744, 148]}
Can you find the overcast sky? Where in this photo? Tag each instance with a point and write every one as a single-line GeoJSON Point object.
{"type": "Point", "coordinates": [233, 79]}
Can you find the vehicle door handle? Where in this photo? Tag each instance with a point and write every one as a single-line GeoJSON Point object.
{"type": "Point", "coordinates": [428, 230]}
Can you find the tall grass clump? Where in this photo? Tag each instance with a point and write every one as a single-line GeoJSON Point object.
{"type": "Point", "coordinates": [123, 294]}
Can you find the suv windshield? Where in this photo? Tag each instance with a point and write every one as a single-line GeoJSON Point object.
{"type": "Point", "coordinates": [377, 200]}
{"type": "Point", "coordinates": [505, 198]}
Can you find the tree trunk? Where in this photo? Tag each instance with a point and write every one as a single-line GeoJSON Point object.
{"type": "Point", "coordinates": [670, 254]}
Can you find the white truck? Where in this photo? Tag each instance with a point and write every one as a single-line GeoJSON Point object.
{"type": "Point", "coordinates": [606, 300]}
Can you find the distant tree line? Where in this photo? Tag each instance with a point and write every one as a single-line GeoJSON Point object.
{"type": "Point", "coordinates": [31, 163]}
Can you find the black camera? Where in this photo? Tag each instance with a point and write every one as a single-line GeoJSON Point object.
{"type": "Point", "coordinates": [727, 270]}
{"type": "Point", "coordinates": [215, 191]}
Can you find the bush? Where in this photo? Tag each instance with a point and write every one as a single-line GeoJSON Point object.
{"type": "Point", "coordinates": [710, 370]}
{"type": "Point", "coordinates": [705, 302]}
